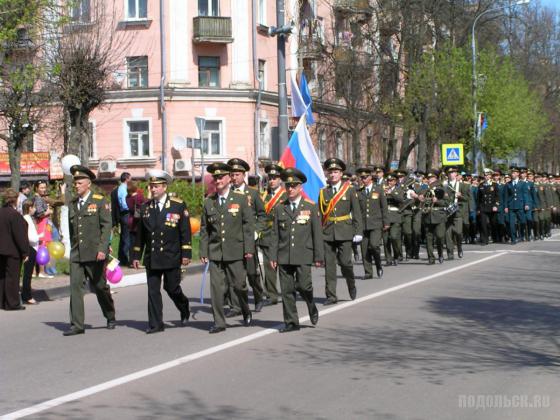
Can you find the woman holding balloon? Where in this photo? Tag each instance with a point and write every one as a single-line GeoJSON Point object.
{"type": "Point", "coordinates": [28, 210]}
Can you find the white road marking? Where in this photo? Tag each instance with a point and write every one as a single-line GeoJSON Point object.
{"type": "Point", "coordinates": [34, 409]}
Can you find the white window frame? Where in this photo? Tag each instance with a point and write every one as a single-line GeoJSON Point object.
{"type": "Point", "coordinates": [263, 72]}
{"type": "Point", "coordinates": [223, 143]}
{"type": "Point", "coordinates": [134, 18]}
{"type": "Point", "coordinates": [322, 146]}
{"type": "Point", "coordinates": [261, 12]}
{"type": "Point", "coordinates": [212, 13]}
{"type": "Point", "coordinates": [78, 6]}
{"type": "Point", "coordinates": [126, 138]}
{"type": "Point", "coordinates": [266, 139]}
{"type": "Point", "coordinates": [140, 78]}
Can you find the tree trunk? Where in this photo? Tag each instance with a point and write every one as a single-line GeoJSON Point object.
{"type": "Point", "coordinates": [390, 146]}
{"type": "Point", "coordinates": [78, 136]}
{"type": "Point", "coordinates": [356, 147]}
{"type": "Point", "coordinates": [14, 157]}
{"type": "Point", "coordinates": [404, 152]}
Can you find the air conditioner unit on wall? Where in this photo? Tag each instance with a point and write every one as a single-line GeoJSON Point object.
{"type": "Point", "coordinates": [183, 165]}
{"type": "Point", "coordinates": [107, 166]}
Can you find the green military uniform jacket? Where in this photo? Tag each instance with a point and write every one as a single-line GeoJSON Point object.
{"type": "Point", "coordinates": [298, 236]}
{"type": "Point", "coordinates": [462, 201]}
{"type": "Point", "coordinates": [164, 236]}
{"type": "Point", "coordinates": [227, 232]}
{"type": "Point", "coordinates": [345, 220]}
{"type": "Point", "coordinates": [374, 208]}
{"type": "Point", "coordinates": [257, 205]}
{"type": "Point", "coordinates": [266, 234]}
{"type": "Point", "coordinates": [437, 214]}
{"type": "Point", "coordinates": [394, 199]}
{"type": "Point", "coordinates": [90, 228]}
{"type": "Point", "coordinates": [549, 194]}
{"type": "Point", "coordinates": [543, 204]}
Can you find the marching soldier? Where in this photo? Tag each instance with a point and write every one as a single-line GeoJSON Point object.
{"type": "Point", "coordinates": [524, 173]}
{"type": "Point", "coordinates": [226, 241]}
{"type": "Point", "coordinates": [297, 245]}
{"type": "Point", "coordinates": [238, 169]}
{"type": "Point", "coordinates": [89, 219]}
{"type": "Point", "coordinates": [406, 185]}
{"type": "Point", "coordinates": [536, 204]}
{"type": "Point", "coordinates": [551, 203]}
{"type": "Point", "coordinates": [374, 212]}
{"type": "Point", "coordinates": [434, 200]}
{"type": "Point", "coordinates": [342, 225]}
{"type": "Point", "coordinates": [488, 205]}
{"type": "Point", "coordinates": [459, 194]}
{"type": "Point", "coordinates": [272, 197]}
{"type": "Point", "coordinates": [419, 188]}
{"type": "Point", "coordinates": [516, 204]}
{"type": "Point", "coordinates": [392, 236]}
{"type": "Point", "coordinates": [164, 237]}
{"type": "Point", "coordinates": [498, 236]}
{"type": "Point", "coordinates": [379, 172]}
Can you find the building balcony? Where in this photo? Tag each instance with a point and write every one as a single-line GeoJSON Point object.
{"type": "Point", "coordinates": [212, 29]}
{"type": "Point", "coordinates": [353, 6]}
{"type": "Point", "coordinates": [310, 48]}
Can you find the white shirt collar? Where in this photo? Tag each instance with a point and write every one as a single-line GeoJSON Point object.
{"type": "Point", "coordinates": [296, 201]}
{"type": "Point", "coordinates": [337, 185]}
{"type": "Point", "coordinates": [162, 200]}
{"type": "Point", "coordinates": [241, 187]}
{"type": "Point", "coordinates": [85, 197]}
{"type": "Point", "coordinates": [225, 196]}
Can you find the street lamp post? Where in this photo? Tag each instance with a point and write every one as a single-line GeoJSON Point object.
{"type": "Point", "coordinates": [476, 133]}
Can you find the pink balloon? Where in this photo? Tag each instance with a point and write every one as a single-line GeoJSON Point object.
{"type": "Point", "coordinates": [114, 276]}
{"type": "Point", "coordinates": [43, 256]}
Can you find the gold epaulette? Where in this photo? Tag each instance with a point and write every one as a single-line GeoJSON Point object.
{"type": "Point", "coordinates": [97, 196]}
{"type": "Point", "coordinates": [176, 199]}
{"type": "Point", "coordinates": [186, 247]}
{"type": "Point", "coordinates": [239, 192]}
{"type": "Point", "coordinates": [309, 201]}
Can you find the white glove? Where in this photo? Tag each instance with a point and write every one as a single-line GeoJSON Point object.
{"type": "Point", "coordinates": [256, 236]}
{"type": "Point", "coordinates": [357, 238]}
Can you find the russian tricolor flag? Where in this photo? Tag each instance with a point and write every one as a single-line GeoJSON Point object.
{"type": "Point", "coordinates": [301, 154]}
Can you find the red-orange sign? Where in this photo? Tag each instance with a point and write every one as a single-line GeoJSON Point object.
{"type": "Point", "coordinates": [32, 163]}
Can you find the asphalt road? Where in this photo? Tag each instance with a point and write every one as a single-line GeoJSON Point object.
{"type": "Point", "coordinates": [472, 338]}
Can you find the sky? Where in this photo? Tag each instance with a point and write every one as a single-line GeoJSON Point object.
{"type": "Point", "coordinates": [551, 3]}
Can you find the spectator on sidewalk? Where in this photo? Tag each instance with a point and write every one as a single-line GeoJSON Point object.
{"type": "Point", "coordinates": [28, 211]}
{"type": "Point", "coordinates": [24, 192]}
{"type": "Point", "coordinates": [43, 212]}
{"type": "Point", "coordinates": [124, 242]}
{"type": "Point", "coordinates": [134, 200]}
{"type": "Point", "coordinates": [14, 248]}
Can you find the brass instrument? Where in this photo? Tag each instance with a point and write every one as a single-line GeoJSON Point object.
{"type": "Point", "coordinates": [427, 205]}
{"type": "Point", "coordinates": [409, 200]}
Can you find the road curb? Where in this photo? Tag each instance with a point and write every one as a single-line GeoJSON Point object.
{"type": "Point", "coordinates": [60, 292]}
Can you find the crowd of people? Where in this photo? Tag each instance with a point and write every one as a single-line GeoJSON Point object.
{"type": "Point", "coordinates": [356, 213]}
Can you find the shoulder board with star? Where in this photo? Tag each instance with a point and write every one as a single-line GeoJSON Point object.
{"type": "Point", "coordinates": [239, 192]}
{"type": "Point", "coordinates": [307, 200]}
{"type": "Point", "coordinates": [97, 196]}
{"type": "Point", "coordinates": [176, 199]}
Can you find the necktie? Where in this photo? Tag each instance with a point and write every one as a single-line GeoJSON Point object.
{"type": "Point", "coordinates": [334, 190]}
{"type": "Point", "coordinates": [80, 203]}
{"type": "Point", "coordinates": [222, 201]}
{"type": "Point", "coordinates": [293, 206]}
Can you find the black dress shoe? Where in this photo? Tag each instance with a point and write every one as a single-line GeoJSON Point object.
{"type": "Point", "coordinates": [111, 324]}
{"type": "Point", "coordinates": [513, 242]}
{"type": "Point", "coordinates": [352, 293]}
{"type": "Point", "coordinates": [72, 331]}
{"type": "Point", "coordinates": [314, 314]}
{"type": "Point", "coordinates": [155, 330]}
{"type": "Point", "coordinates": [233, 313]}
{"type": "Point", "coordinates": [431, 261]}
{"type": "Point", "coordinates": [395, 263]}
{"type": "Point", "coordinates": [289, 328]}
{"type": "Point", "coordinates": [460, 253]}
{"type": "Point", "coordinates": [368, 277]}
{"type": "Point", "coordinates": [400, 258]}
{"type": "Point", "coordinates": [450, 257]}
{"type": "Point", "coordinates": [214, 329]}
{"type": "Point", "coordinates": [17, 308]}
{"type": "Point", "coordinates": [440, 259]}
{"type": "Point", "coordinates": [388, 264]}
{"type": "Point", "coordinates": [247, 319]}
{"type": "Point", "coordinates": [330, 301]}
{"type": "Point", "coordinates": [379, 272]}
{"type": "Point", "coordinates": [259, 306]}
{"type": "Point", "coordinates": [185, 317]}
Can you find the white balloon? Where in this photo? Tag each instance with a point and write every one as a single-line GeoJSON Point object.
{"type": "Point", "coordinates": [68, 161]}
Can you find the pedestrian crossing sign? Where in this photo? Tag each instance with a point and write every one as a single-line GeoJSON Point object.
{"type": "Point", "coordinates": [452, 154]}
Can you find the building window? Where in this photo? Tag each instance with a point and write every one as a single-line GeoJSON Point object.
{"type": "Point", "coordinates": [322, 145]}
{"type": "Point", "coordinates": [136, 9]}
{"type": "Point", "coordinates": [212, 138]}
{"type": "Point", "coordinates": [138, 138]}
{"type": "Point", "coordinates": [209, 71]}
{"type": "Point", "coordinates": [262, 12]}
{"type": "Point", "coordinates": [80, 11]}
{"type": "Point", "coordinates": [264, 140]}
{"type": "Point", "coordinates": [339, 146]}
{"type": "Point", "coordinates": [137, 68]}
{"type": "Point", "coordinates": [262, 74]}
{"type": "Point", "coordinates": [208, 8]}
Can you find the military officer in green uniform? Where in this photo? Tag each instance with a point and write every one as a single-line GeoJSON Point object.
{"type": "Point", "coordinates": [406, 185]}
{"type": "Point", "coordinates": [164, 236]}
{"type": "Point", "coordinates": [274, 195]}
{"type": "Point", "coordinates": [434, 200]}
{"type": "Point", "coordinates": [89, 220]}
{"type": "Point", "coordinates": [342, 224]}
{"type": "Point", "coordinates": [374, 212]}
{"type": "Point", "coordinates": [392, 236]}
{"type": "Point", "coordinates": [226, 241]}
{"type": "Point", "coordinates": [297, 245]}
{"type": "Point", "coordinates": [458, 193]}
{"type": "Point", "coordinates": [238, 169]}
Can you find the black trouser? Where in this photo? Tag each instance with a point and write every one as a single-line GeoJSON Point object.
{"type": "Point", "coordinates": [172, 285]}
{"type": "Point", "coordinates": [28, 267]}
{"type": "Point", "coordinates": [124, 241]}
{"type": "Point", "coordinates": [9, 282]}
{"type": "Point", "coordinates": [488, 219]}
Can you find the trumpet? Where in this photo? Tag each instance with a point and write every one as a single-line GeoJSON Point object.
{"type": "Point", "coordinates": [427, 205]}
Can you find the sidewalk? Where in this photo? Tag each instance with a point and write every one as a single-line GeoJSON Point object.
{"type": "Point", "coordinates": [59, 286]}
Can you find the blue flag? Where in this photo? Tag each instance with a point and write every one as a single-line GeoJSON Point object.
{"type": "Point", "coordinates": [306, 98]}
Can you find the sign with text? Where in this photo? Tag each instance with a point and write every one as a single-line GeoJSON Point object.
{"type": "Point", "coordinates": [32, 163]}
